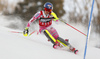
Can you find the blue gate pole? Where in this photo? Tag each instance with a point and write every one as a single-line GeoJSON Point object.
{"type": "Point", "coordinates": [88, 32]}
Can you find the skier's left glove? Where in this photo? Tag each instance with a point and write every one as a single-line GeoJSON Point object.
{"type": "Point", "coordinates": [26, 31]}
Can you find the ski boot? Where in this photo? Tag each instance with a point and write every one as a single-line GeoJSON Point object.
{"type": "Point", "coordinates": [57, 45]}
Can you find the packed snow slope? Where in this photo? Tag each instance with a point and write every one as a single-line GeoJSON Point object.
{"type": "Point", "coordinates": [17, 46]}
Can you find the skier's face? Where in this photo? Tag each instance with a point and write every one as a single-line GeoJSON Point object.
{"type": "Point", "coordinates": [47, 11]}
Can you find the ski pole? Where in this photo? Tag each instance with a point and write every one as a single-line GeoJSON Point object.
{"type": "Point", "coordinates": [73, 27]}
{"type": "Point", "coordinates": [22, 32]}
{"type": "Point", "coordinates": [34, 32]}
{"type": "Point", "coordinates": [15, 32]}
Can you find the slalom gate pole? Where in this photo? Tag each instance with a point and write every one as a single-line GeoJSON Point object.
{"type": "Point", "coordinates": [73, 28]}
{"type": "Point", "coordinates": [89, 29]}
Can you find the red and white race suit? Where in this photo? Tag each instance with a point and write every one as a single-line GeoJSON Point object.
{"type": "Point", "coordinates": [45, 22]}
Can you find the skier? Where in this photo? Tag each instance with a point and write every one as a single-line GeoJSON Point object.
{"type": "Point", "coordinates": [45, 18]}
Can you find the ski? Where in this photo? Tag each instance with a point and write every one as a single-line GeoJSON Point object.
{"type": "Point", "coordinates": [67, 44]}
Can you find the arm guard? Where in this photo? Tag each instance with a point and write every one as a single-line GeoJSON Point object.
{"type": "Point", "coordinates": [55, 16]}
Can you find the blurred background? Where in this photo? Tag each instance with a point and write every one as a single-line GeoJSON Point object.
{"type": "Point", "coordinates": [17, 13]}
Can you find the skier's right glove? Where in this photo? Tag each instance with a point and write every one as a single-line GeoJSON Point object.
{"type": "Point", "coordinates": [26, 31]}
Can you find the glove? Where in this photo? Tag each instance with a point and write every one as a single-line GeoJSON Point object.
{"type": "Point", "coordinates": [26, 31]}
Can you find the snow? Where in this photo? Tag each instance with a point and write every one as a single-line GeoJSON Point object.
{"type": "Point", "coordinates": [17, 46]}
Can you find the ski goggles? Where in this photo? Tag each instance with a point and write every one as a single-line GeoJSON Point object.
{"type": "Point", "coordinates": [46, 9]}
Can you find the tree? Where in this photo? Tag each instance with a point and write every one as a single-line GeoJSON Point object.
{"type": "Point", "coordinates": [29, 7]}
